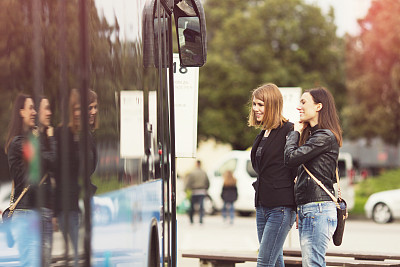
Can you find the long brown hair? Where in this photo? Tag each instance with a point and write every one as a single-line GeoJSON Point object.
{"type": "Point", "coordinates": [15, 127]}
{"type": "Point", "coordinates": [74, 99]}
{"type": "Point", "coordinates": [327, 116]}
{"type": "Point", "coordinates": [273, 102]}
{"type": "Point", "coordinates": [229, 180]}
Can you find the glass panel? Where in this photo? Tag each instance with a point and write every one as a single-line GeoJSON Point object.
{"type": "Point", "coordinates": [190, 41]}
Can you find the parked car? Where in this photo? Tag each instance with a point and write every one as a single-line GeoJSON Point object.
{"type": "Point", "coordinates": [240, 164]}
{"type": "Point", "coordinates": [383, 207]}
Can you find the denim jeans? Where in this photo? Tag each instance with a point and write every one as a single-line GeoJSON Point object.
{"type": "Point", "coordinates": [72, 231]}
{"type": "Point", "coordinates": [228, 205]}
{"type": "Point", "coordinates": [26, 230]}
{"type": "Point", "coordinates": [317, 223]}
{"type": "Point", "coordinates": [47, 235]}
{"type": "Point", "coordinates": [273, 226]}
{"type": "Point", "coordinates": [197, 199]}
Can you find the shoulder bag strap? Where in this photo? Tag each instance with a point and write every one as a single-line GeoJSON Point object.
{"type": "Point", "coordinates": [12, 193]}
{"type": "Point", "coordinates": [338, 184]}
{"type": "Point", "coordinates": [322, 186]}
{"type": "Point", "coordinates": [14, 205]}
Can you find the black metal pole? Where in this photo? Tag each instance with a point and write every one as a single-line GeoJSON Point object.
{"type": "Point", "coordinates": [84, 48]}
{"type": "Point", "coordinates": [173, 153]}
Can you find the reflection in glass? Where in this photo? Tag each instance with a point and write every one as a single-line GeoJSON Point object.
{"type": "Point", "coordinates": [190, 42]}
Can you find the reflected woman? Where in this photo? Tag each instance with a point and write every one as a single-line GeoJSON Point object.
{"type": "Point", "coordinates": [21, 155]}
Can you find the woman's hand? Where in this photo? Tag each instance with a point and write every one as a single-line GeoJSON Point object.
{"type": "Point", "coordinates": [50, 131]}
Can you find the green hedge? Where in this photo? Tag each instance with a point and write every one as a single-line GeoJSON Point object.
{"type": "Point", "coordinates": [386, 181]}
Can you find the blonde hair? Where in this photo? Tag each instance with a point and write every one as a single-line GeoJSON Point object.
{"type": "Point", "coordinates": [74, 99]}
{"type": "Point", "coordinates": [273, 102]}
{"type": "Point", "coordinates": [229, 180]}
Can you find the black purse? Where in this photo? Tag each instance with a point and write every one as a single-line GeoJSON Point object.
{"type": "Point", "coordinates": [341, 208]}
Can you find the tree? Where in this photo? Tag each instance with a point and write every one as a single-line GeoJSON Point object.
{"type": "Point", "coordinates": [259, 41]}
{"type": "Point", "coordinates": [373, 69]}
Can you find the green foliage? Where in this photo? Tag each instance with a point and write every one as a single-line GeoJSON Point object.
{"type": "Point", "coordinates": [387, 181]}
{"type": "Point", "coordinates": [373, 70]}
{"type": "Point", "coordinates": [255, 42]}
{"type": "Point", "coordinates": [106, 185]}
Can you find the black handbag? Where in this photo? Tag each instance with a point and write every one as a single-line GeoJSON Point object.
{"type": "Point", "coordinates": [341, 208]}
{"type": "Point", "coordinates": [341, 220]}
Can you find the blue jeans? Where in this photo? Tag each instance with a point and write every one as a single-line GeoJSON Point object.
{"type": "Point", "coordinates": [317, 223]}
{"type": "Point", "coordinates": [197, 199]}
{"type": "Point", "coordinates": [228, 205]}
{"type": "Point", "coordinates": [72, 231]}
{"type": "Point", "coordinates": [273, 226]}
{"type": "Point", "coordinates": [47, 235]}
{"type": "Point", "coordinates": [26, 230]}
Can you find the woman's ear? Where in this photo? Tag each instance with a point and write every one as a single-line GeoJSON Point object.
{"type": "Point", "coordinates": [319, 106]}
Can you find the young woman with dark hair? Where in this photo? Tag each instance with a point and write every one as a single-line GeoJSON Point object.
{"type": "Point", "coordinates": [274, 198]}
{"type": "Point", "coordinates": [315, 144]}
{"type": "Point", "coordinates": [22, 154]}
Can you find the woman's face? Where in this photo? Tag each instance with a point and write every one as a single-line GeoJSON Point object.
{"type": "Point", "coordinates": [92, 113]}
{"type": "Point", "coordinates": [28, 113]}
{"type": "Point", "coordinates": [258, 109]}
{"type": "Point", "coordinates": [77, 115]}
{"type": "Point", "coordinates": [44, 112]}
{"type": "Point", "coordinates": [308, 109]}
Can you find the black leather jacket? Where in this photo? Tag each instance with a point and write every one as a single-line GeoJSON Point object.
{"type": "Point", "coordinates": [319, 154]}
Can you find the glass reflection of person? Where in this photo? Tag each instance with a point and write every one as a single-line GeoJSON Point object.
{"type": "Point", "coordinates": [67, 174]}
{"type": "Point", "coordinates": [48, 160]}
{"type": "Point", "coordinates": [21, 153]}
{"type": "Point", "coordinates": [68, 191]}
{"type": "Point", "coordinates": [93, 125]}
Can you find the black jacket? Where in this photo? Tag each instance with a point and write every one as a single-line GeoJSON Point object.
{"type": "Point", "coordinates": [48, 162]}
{"type": "Point", "coordinates": [19, 171]}
{"type": "Point", "coordinates": [275, 181]}
{"type": "Point", "coordinates": [69, 167]}
{"type": "Point", "coordinates": [319, 154]}
{"type": "Point", "coordinates": [229, 193]}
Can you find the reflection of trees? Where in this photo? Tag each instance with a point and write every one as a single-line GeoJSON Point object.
{"type": "Point", "coordinates": [115, 65]}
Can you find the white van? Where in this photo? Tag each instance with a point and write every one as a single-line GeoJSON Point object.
{"type": "Point", "coordinates": [239, 163]}
{"type": "Point", "coordinates": [346, 173]}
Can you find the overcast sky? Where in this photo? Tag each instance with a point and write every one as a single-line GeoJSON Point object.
{"type": "Point", "coordinates": [346, 13]}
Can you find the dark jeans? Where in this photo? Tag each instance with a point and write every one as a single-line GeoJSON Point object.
{"type": "Point", "coordinates": [197, 199]}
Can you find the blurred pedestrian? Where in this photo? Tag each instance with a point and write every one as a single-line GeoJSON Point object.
{"type": "Point", "coordinates": [229, 195]}
{"type": "Point", "coordinates": [198, 183]}
{"type": "Point", "coordinates": [22, 156]}
{"type": "Point", "coordinates": [48, 161]}
{"type": "Point", "coordinates": [314, 144]}
{"type": "Point", "coordinates": [274, 197]}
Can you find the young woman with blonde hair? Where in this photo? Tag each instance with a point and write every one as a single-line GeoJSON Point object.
{"type": "Point", "coordinates": [274, 197]}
